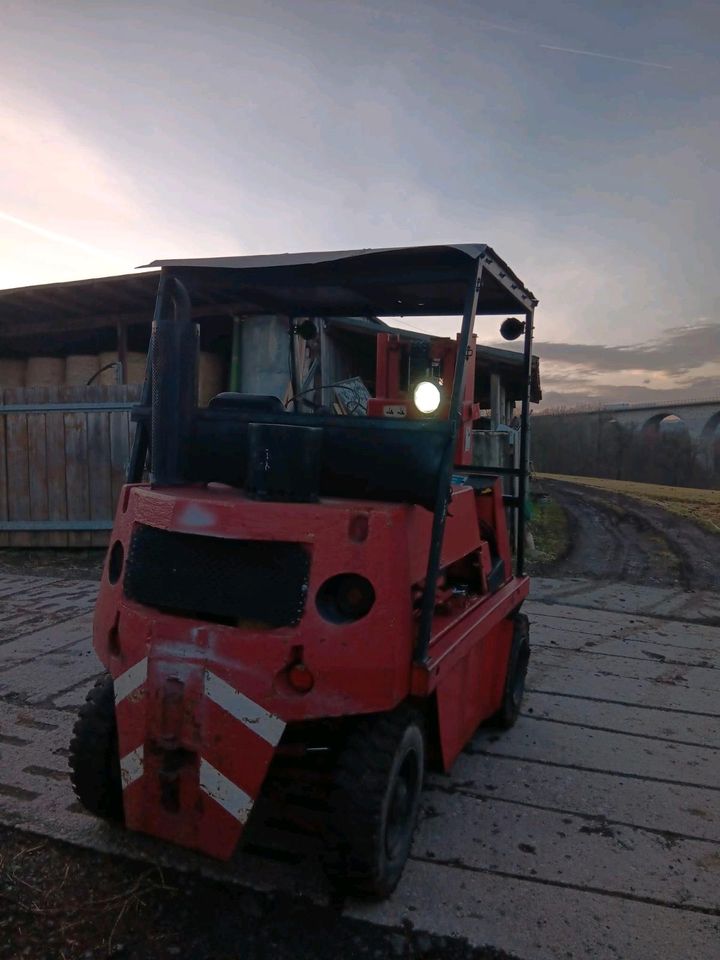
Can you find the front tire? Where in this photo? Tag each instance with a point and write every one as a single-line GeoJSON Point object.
{"type": "Point", "coordinates": [94, 754]}
{"type": "Point", "coordinates": [516, 673]}
{"type": "Point", "coordinates": [374, 803]}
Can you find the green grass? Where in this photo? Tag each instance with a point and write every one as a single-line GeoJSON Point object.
{"type": "Point", "coordinates": [549, 528]}
{"type": "Point", "coordinates": [702, 506]}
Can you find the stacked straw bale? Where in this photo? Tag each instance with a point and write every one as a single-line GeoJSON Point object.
{"type": "Point", "coordinates": [79, 368]}
{"type": "Point", "coordinates": [211, 377]}
{"type": "Point", "coordinates": [12, 373]}
{"type": "Point", "coordinates": [45, 372]}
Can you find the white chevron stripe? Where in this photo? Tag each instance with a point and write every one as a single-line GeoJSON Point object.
{"type": "Point", "coordinates": [230, 797]}
{"type": "Point", "coordinates": [132, 766]}
{"type": "Point", "coordinates": [129, 681]}
{"type": "Point", "coordinates": [255, 717]}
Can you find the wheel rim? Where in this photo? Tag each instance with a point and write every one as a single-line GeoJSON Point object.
{"type": "Point", "coordinates": [401, 805]}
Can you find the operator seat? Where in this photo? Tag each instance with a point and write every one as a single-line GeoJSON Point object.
{"type": "Point", "coordinates": [247, 403]}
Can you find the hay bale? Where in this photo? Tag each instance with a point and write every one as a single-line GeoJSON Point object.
{"type": "Point", "coordinates": [12, 373]}
{"type": "Point", "coordinates": [45, 372]}
{"type": "Point", "coordinates": [79, 368]}
{"type": "Point", "coordinates": [108, 378]}
{"type": "Point", "coordinates": [136, 367]}
{"type": "Point", "coordinates": [211, 377]}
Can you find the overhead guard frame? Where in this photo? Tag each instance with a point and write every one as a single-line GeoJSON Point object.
{"type": "Point", "coordinates": [170, 383]}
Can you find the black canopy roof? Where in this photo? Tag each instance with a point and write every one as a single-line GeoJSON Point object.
{"type": "Point", "coordinates": [401, 281]}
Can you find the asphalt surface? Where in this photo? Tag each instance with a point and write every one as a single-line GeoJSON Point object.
{"type": "Point", "coordinates": [592, 829]}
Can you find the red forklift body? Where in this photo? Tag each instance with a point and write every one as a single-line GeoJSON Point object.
{"type": "Point", "coordinates": [199, 719]}
{"type": "Point", "coordinates": [248, 592]}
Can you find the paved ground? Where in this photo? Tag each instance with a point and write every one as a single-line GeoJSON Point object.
{"type": "Point", "coordinates": [592, 829]}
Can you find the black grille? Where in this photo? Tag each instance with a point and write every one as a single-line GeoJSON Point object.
{"type": "Point", "coordinates": [219, 580]}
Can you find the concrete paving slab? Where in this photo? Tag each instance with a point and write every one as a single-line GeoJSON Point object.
{"type": "Point", "coordinates": [622, 666]}
{"type": "Point", "coordinates": [74, 665]}
{"type": "Point", "coordinates": [542, 921]}
{"type": "Point", "coordinates": [671, 690]}
{"type": "Point", "coordinates": [53, 638]}
{"type": "Point", "coordinates": [13, 586]}
{"type": "Point", "coordinates": [601, 750]}
{"type": "Point", "coordinates": [591, 829]}
{"type": "Point", "coordinates": [649, 650]}
{"type": "Point", "coordinates": [691, 635]}
{"type": "Point", "coordinates": [631, 599]}
{"type": "Point", "coordinates": [643, 722]}
{"type": "Point", "coordinates": [539, 845]}
{"type": "Point", "coordinates": [566, 617]}
{"type": "Point", "coordinates": [666, 808]}
{"type": "Point", "coordinates": [694, 638]}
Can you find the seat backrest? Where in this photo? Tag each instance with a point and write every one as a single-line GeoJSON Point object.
{"type": "Point", "coordinates": [247, 403]}
{"type": "Point", "coordinates": [359, 457]}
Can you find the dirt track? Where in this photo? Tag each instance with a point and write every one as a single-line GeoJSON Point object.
{"type": "Point", "coordinates": [613, 537]}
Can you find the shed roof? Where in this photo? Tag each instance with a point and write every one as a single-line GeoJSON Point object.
{"type": "Point", "coordinates": [55, 311]}
{"type": "Point", "coordinates": [77, 304]}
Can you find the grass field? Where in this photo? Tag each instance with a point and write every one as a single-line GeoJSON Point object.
{"type": "Point", "coordinates": [549, 528]}
{"type": "Point", "coordinates": [702, 506]}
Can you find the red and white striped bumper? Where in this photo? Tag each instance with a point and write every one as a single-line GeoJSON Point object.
{"type": "Point", "coordinates": [194, 752]}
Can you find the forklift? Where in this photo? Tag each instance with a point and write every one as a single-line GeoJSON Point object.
{"type": "Point", "coordinates": [287, 582]}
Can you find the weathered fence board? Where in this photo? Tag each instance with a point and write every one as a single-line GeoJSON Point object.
{"type": "Point", "coordinates": [37, 465]}
{"type": "Point", "coordinates": [4, 537]}
{"type": "Point", "coordinates": [57, 481]}
{"type": "Point", "coordinates": [18, 476]}
{"type": "Point", "coordinates": [99, 472]}
{"type": "Point", "coordinates": [76, 472]}
{"type": "Point", "coordinates": [64, 464]}
{"type": "Point", "coordinates": [119, 424]}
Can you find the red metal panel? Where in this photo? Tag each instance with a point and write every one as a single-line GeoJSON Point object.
{"type": "Point", "coordinates": [491, 511]}
{"type": "Point", "coordinates": [381, 365]}
{"type": "Point", "coordinates": [471, 690]}
{"type": "Point", "coordinates": [455, 633]}
{"type": "Point", "coordinates": [198, 732]}
{"type": "Point", "coordinates": [461, 533]}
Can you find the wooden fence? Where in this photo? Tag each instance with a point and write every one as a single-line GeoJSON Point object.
{"type": "Point", "coordinates": [63, 455]}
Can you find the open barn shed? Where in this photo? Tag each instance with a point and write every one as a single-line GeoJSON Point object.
{"type": "Point", "coordinates": [72, 361]}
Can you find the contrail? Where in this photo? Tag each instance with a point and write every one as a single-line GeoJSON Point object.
{"type": "Point", "coordinates": [491, 25]}
{"type": "Point", "coordinates": [58, 237]}
{"type": "Point", "coordinates": [606, 56]}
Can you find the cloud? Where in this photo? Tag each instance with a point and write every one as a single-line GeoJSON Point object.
{"type": "Point", "coordinates": [266, 126]}
{"type": "Point", "coordinates": [682, 362]}
{"type": "Point", "coordinates": [69, 210]}
{"type": "Point", "coordinates": [676, 352]}
{"type": "Point", "coordinates": [580, 393]}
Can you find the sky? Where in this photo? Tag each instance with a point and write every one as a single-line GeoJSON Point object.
{"type": "Point", "coordinates": [580, 140]}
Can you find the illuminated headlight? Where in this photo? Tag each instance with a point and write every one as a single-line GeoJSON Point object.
{"type": "Point", "coordinates": [427, 396]}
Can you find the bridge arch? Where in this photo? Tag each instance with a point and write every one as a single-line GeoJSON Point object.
{"type": "Point", "coordinates": [710, 437]}
{"type": "Point", "coordinates": [653, 424]}
{"type": "Point", "coordinates": [710, 428]}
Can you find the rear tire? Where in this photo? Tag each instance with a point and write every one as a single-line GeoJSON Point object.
{"type": "Point", "coordinates": [374, 803]}
{"type": "Point", "coordinates": [94, 755]}
{"type": "Point", "coordinates": [516, 672]}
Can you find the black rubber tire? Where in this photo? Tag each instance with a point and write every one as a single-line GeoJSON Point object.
{"type": "Point", "coordinates": [374, 803]}
{"type": "Point", "coordinates": [94, 756]}
{"type": "Point", "coordinates": [516, 672]}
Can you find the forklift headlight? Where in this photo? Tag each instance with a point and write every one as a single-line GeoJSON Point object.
{"type": "Point", "coordinates": [427, 396]}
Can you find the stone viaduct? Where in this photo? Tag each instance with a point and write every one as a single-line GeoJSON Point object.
{"type": "Point", "coordinates": [700, 417]}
